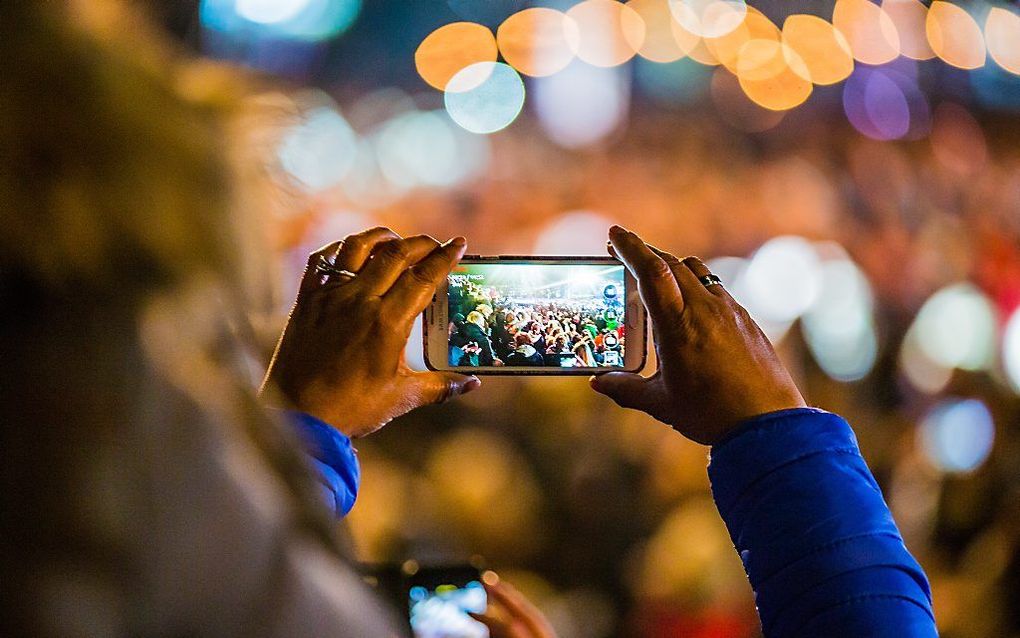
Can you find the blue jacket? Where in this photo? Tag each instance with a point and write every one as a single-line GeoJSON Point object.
{"type": "Point", "coordinates": [818, 542]}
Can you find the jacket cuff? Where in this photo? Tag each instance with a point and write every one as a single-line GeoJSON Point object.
{"type": "Point", "coordinates": [333, 456]}
{"type": "Point", "coordinates": [767, 442]}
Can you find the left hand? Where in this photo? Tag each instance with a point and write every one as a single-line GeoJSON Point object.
{"type": "Point", "coordinates": [341, 355]}
{"type": "Point", "coordinates": [510, 614]}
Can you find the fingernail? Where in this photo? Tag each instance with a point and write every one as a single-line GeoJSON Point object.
{"type": "Point", "coordinates": [458, 242]}
{"type": "Point", "coordinates": [490, 578]}
{"type": "Point", "coordinates": [472, 384]}
{"type": "Point", "coordinates": [616, 230]}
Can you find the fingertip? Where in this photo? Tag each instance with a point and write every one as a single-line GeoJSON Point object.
{"type": "Point", "coordinates": [490, 578]}
{"type": "Point", "coordinates": [472, 384]}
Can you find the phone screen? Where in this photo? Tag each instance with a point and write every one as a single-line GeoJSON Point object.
{"type": "Point", "coordinates": [440, 610]}
{"type": "Point", "coordinates": [537, 315]}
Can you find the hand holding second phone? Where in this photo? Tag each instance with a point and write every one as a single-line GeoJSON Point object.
{"type": "Point", "coordinates": [341, 356]}
{"type": "Point", "coordinates": [716, 367]}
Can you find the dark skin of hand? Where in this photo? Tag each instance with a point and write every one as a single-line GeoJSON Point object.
{"type": "Point", "coordinates": [716, 367]}
{"type": "Point", "coordinates": [341, 356]}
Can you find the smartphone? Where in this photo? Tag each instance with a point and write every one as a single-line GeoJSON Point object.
{"type": "Point", "coordinates": [536, 315]}
{"type": "Point", "coordinates": [439, 599]}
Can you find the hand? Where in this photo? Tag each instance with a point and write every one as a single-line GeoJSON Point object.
{"type": "Point", "coordinates": [341, 356]}
{"type": "Point", "coordinates": [510, 614]}
{"type": "Point", "coordinates": [716, 367]}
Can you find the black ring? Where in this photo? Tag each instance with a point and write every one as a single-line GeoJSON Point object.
{"type": "Point", "coordinates": [710, 280]}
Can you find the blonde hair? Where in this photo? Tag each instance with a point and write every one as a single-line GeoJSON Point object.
{"type": "Point", "coordinates": [476, 318]}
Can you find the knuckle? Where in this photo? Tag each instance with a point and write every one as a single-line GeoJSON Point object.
{"type": "Point", "coordinates": [693, 262]}
{"type": "Point", "coordinates": [657, 269]}
{"type": "Point", "coordinates": [422, 275]}
{"type": "Point", "coordinates": [396, 251]}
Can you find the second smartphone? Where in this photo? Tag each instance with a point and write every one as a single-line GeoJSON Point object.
{"type": "Point", "coordinates": [536, 315]}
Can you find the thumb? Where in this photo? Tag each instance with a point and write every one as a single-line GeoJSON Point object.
{"type": "Point", "coordinates": [627, 389]}
{"type": "Point", "coordinates": [439, 387]}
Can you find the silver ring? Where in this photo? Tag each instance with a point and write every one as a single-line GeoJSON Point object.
{"type": "Point", "coordinates": [329, 270]}
{"type": "Point", "coordinates": [710, 280]}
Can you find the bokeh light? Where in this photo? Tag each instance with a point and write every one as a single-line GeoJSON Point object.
{"type": "Point", "coordinates": [610, 32]}
{"type": "Point", "coordinates": [1002, 35]}
{"type": "Point", "coordinates": [909, 17]}
{"type": "Point", "coordinates": [773, 75]}
{"type": "Point", "coordinates": [876, 105]}
{"type": "Point", "coordinates": [269, 11]}
{"type": "Point", "coordinates": [1011, 349]}
{"type": "Point", "coordinates": [727, 48]}
{"type": "Point", "coordinates": [538, 41]}
{"type": "Point", "coordinates": [957, 435]}
{"type": "Point", "coordinates": [869, 30]}
{"type": "Point", "coordinates": [708, 18]}
{"type": "Point", "coordinates": [839, 327]}
{"type": "Point", "coordinates": [954, 35]}
{"type": "Point", "coordinates": [824, 50]}
{"type": "Point", "coordinates": [576, 232]}
{"type": "Point", "coordinates": [485, 97]}
{"type": "Point", "coordinates": [956, 328]}
{"type": "Point", "coordinates": [663, 42]}
{"type": "Point", "coordinates": [319, 151]}
{"type": "Point", "coordinates": [581, 104]}
{"type": "Point", "coordinates": [424, 148]}
{"type": "Point", "coordinates": [783, 279]}
{"type": "Point", "coordinates": [307, 20]}
{"type": "Point", "coordinates": [451, 48]}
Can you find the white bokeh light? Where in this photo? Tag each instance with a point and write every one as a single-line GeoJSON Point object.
{"type": "Point", "coordinates": [582, 104]}
{"type": "Point", "coordinates": [320, 150]}
{"type": "Point", "coordinates": [708, 18]}
{"type": "Point", "coordinates": [957, 435]}
{"type": "Point", "coordinates": [269, 11]}
{"type": "Point", "coordinates": [577, 232]}
{"type": "Point", "coordinates": [484, 97]}
{"type": "Point", "coordinates": [783, 279]}
{"type": "Point", "coordinates": [424, 148]}
{"type": "Point", "coordinates": [839, 327]}
{"type": "Point", "coordinates": [956, 328]}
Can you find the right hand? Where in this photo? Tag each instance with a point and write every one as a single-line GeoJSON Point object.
{"type": "Point", "coordinates": [716, 367]}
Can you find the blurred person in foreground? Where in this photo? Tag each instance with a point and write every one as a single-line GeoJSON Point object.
{"type": "Point", "coordinates": [147, 490]}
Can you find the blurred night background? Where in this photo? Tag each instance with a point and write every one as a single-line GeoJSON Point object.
{"type": "Point", "coordinates": [850, 168]}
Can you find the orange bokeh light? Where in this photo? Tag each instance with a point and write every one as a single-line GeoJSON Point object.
{"type": "Point", "coordinates": [955, 36]}
{"type": "Point", "coordinates": [869, 30]}
{"type": "Point", "coordinates": [538, 41]}
{"type": "Point", "coordinates": [754, 26]}
{"type": "Point", "coordinates": [451, 48]}
{"type": "Point", "coordinates": [610, 33]}
{"type": "Point", "coordinates": [909, 17]}
{"type": "Point", "coordinates": [824, 51]}
{"type": "Point", "coordinates": [1002, 33]}
{"type": "Point", "coordinates": [772, 75]}
{"type": "Point", "coordinates": [663, 42]}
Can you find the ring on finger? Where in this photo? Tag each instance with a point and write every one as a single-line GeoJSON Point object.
{"type": "Point", "coordinates": [323, 267]}
{"type": "Point", "coordinates": [710, 280]}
